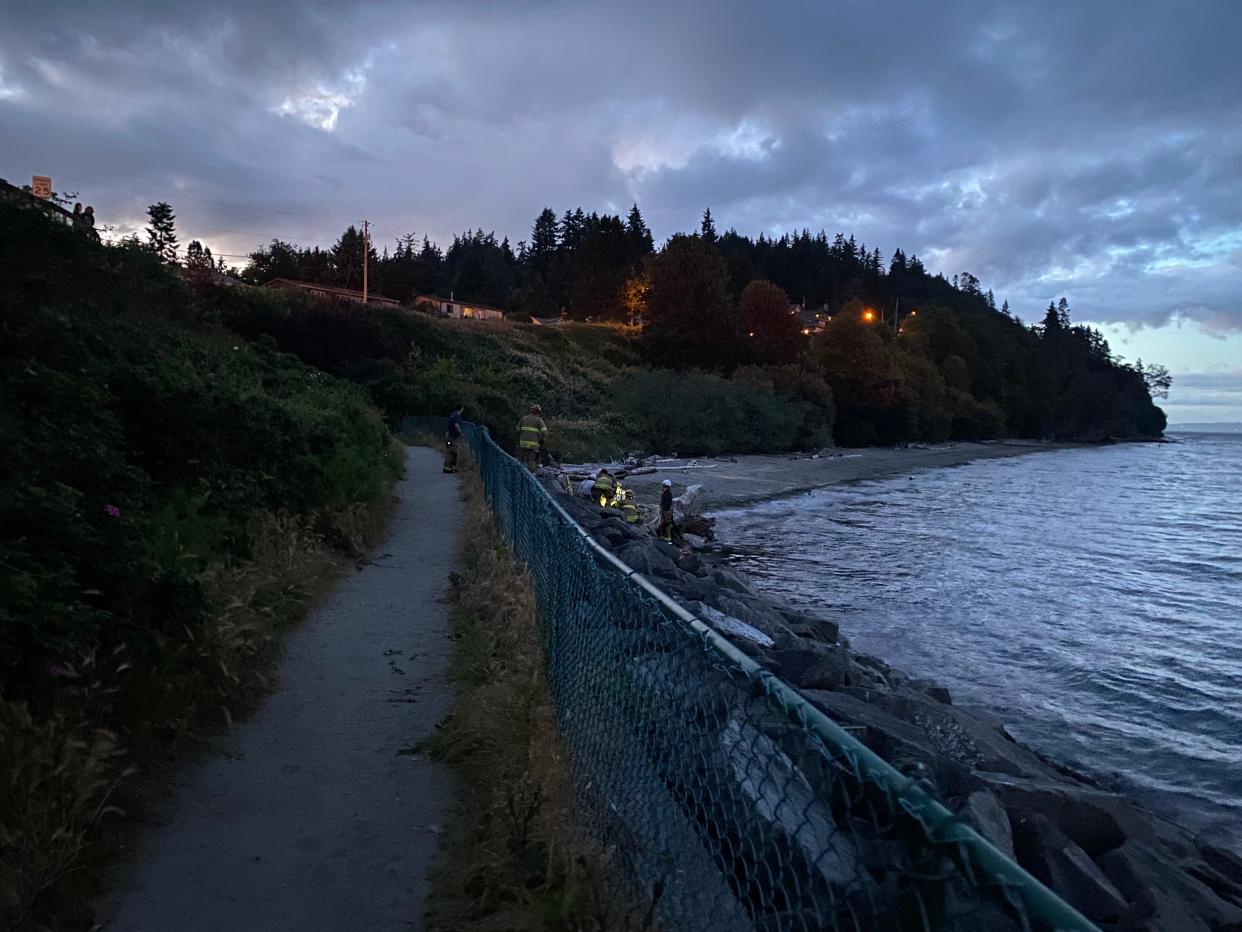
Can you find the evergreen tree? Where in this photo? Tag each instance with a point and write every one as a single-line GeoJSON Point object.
{"type": "Point", "coordinates": [707, 227]}
{"type": "Point", "coordinates": [161, 231]}
{"type": "Point", "coordinates": [544, 238]}
{"type": "Point", "coordinates": [346, 259]}
{"type": "Point", "coordinates": [1063, 315]}
{"type": "Point", "coordinates": [641, 243]}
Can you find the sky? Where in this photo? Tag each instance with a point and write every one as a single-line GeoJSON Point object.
{"type": "Point", "coordinates": [1091, 150]}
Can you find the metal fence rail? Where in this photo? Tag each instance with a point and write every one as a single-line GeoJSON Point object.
{"type": "Point", "coordinates": [726, 797]}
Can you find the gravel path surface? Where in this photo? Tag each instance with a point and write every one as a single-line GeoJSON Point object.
{"type": "Point", "coordinates": [316, 816]}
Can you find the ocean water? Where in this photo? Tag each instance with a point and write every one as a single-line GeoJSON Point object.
{"type": "Point", "coordinates": [1092, 598]}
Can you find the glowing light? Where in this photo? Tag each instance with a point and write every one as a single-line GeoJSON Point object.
{"type": "Point", "coordinates": [751, 333]}
{"type": "Point", "coordinates": [868, 315]}
{"type": "Point", "coordinates": [806, 331]}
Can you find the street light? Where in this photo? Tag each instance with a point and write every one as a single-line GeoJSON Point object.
{"type": "Point", "coordinates": [868, 315]}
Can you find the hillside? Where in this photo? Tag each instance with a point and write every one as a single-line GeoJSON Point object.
{"type": "Point", "coordinates": [170, 496]}
{"type": "Point", "coordinates": [817, 338]}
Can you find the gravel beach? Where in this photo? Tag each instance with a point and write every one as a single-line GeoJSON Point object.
{"type": "Point", "coordinates": [729, 482]}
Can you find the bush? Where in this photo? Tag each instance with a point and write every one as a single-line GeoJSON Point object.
{"type": "Point", "coordinates": [163, 490]}
{"type": "Point", "coordinates": [695, 413]}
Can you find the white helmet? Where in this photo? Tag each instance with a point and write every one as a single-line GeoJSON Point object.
{"type": "Point", "coordinates": [667, 482]}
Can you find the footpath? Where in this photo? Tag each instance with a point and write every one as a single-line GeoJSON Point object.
{"type": "Point", "coordinates": [317, 816]}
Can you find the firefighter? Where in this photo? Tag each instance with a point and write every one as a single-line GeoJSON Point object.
{"type": "Point", "coordinates": [532, 434]}
{"type": "Point", "coordinates": [665, 529]}
{"type": "Point", "coordinates": [452, 438]}
{"type": "Point", "coordinates": [629, 509]}
{"type": "Point", "coordinates": [604, 489]}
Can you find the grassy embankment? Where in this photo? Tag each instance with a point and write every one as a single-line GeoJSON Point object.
{"type": "Point", "coordinates": [171, 497]}
{"type": "Point", "coordinates": [514, 858]}
{"type": "Point", "coordinates": [596, 398]}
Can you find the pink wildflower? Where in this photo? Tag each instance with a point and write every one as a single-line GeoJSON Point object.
{"type": "Point", "coordinates": [112, 511]}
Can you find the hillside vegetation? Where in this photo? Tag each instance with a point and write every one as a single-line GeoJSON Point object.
{"type": "Point", "coordinates": [879, 352]}
{"type": "Point", "coordinates": [166, 494]}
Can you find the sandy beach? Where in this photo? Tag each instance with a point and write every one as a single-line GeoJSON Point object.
{"type": "Point", "coordinates": [730, 482]}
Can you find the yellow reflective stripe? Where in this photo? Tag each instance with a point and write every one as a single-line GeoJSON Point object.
{"type": "Point", "coordinates": [535, 429]}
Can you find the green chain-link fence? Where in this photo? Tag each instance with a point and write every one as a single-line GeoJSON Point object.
{"type": "Point", "coordinates": [728, 800]}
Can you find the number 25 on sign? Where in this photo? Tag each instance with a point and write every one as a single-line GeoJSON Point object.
{"type": "Point", "coordinates": [41, 186]}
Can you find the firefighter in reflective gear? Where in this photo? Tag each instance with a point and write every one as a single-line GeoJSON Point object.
{"type": "Point", "coordinates": [629, 509]}
{"type": "Point", "coordinates": [532, 433]}
{"type": "Point", "coordinates": [664, 531]}
{"type": "Point", "coordinates": [604, 489]}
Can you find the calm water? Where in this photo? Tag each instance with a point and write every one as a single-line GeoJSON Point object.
{"type": "Point", "coordinates": [1091, 597]}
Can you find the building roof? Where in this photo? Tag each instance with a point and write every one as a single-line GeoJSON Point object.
{"type": "Point", "coordinates": [331, 290]}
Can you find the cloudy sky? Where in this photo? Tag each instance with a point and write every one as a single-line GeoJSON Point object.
{"type": "Point", "coordinates": [1086, 149]}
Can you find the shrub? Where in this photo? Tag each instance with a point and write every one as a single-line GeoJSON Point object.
{"type": "Point", "coordinates": [695, 413]}
{"type": "Point", "coordinates": [150, 460]}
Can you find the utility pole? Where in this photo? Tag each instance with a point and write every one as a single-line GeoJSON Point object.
{"type": "Point", "coordinates": [366, 249]}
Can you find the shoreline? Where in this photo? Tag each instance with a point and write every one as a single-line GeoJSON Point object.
{"type": "Point", "coordinates": [737, 481]}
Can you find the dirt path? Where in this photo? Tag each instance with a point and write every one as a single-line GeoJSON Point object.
{"type": "Point", "coordinates": [314, 819]}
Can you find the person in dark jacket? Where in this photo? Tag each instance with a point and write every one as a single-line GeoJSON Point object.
{"type": "Point", "coordinates": [665, 529]}
{"type": "Point", "coordinates": [452, 438]}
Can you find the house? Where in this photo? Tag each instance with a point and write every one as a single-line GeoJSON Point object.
{"type": "Point", "coordinates": [458, 310]}
{"type": "Point", "coordinates": [810, 320]}
{"type": "Point", "coordinates": [330, 291]}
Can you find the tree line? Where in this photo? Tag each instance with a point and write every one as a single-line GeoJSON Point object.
{"type": "Point", "coordinates": [903, 354]}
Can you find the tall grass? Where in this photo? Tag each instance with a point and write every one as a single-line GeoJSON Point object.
{"type": "Point", "coordinates": [517, 858]}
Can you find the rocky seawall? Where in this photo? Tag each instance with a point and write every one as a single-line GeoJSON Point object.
{"type": "Point", "coordinates": [1121, 866]}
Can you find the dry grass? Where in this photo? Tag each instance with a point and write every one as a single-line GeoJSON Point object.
{"type": "Point", "coordinates": [516, 858]}
{"type": "Point", "coordinates": [73, 777]}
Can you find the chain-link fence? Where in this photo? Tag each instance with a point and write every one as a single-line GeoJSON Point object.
{"type": "Point", "coordinates": [728, 800]}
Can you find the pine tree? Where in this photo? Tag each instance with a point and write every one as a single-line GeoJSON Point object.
{"type": "Point", "coordinates": [991, 300]}
{"type": "Point", "coordinates": [707, 228]}
{"type": "Point", "coordinates": [641, 243]}
{"type": "Point", "coordinates": [1005, 308]}
{"type": "Point", "coordinates": [161, 231]}
{"type": "Point", "coordinates": [1052, 320]}
{"type": "Point", "coordinates": [1063, 315]}
{"type": "Point", "coordinates": [544, 236]}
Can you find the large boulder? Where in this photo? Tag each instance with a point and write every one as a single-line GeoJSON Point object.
{"type": "Point", "coordinates": [813, 666]}
{"type": "Point", "coordinates": [810, 626]}
{"type": "Point", "coordinates": [984, 813]}
{"type": "Point", "coordinates": [1052, 857]}
{"type": "Point", "coordinates": [1166, 897]}
{"type": "Point", "coordinates": [649, 560]}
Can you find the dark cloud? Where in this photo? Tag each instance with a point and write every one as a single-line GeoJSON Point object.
{"type": "Point", "coordinates": [1088, 149]}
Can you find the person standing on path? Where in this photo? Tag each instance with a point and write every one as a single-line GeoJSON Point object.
{"type": "Point", "coordinates": [453, 438]}
{"type": "Point", "coordinates": [665, 529]}
{"type": "Point", "coordinates": [532, 434]}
